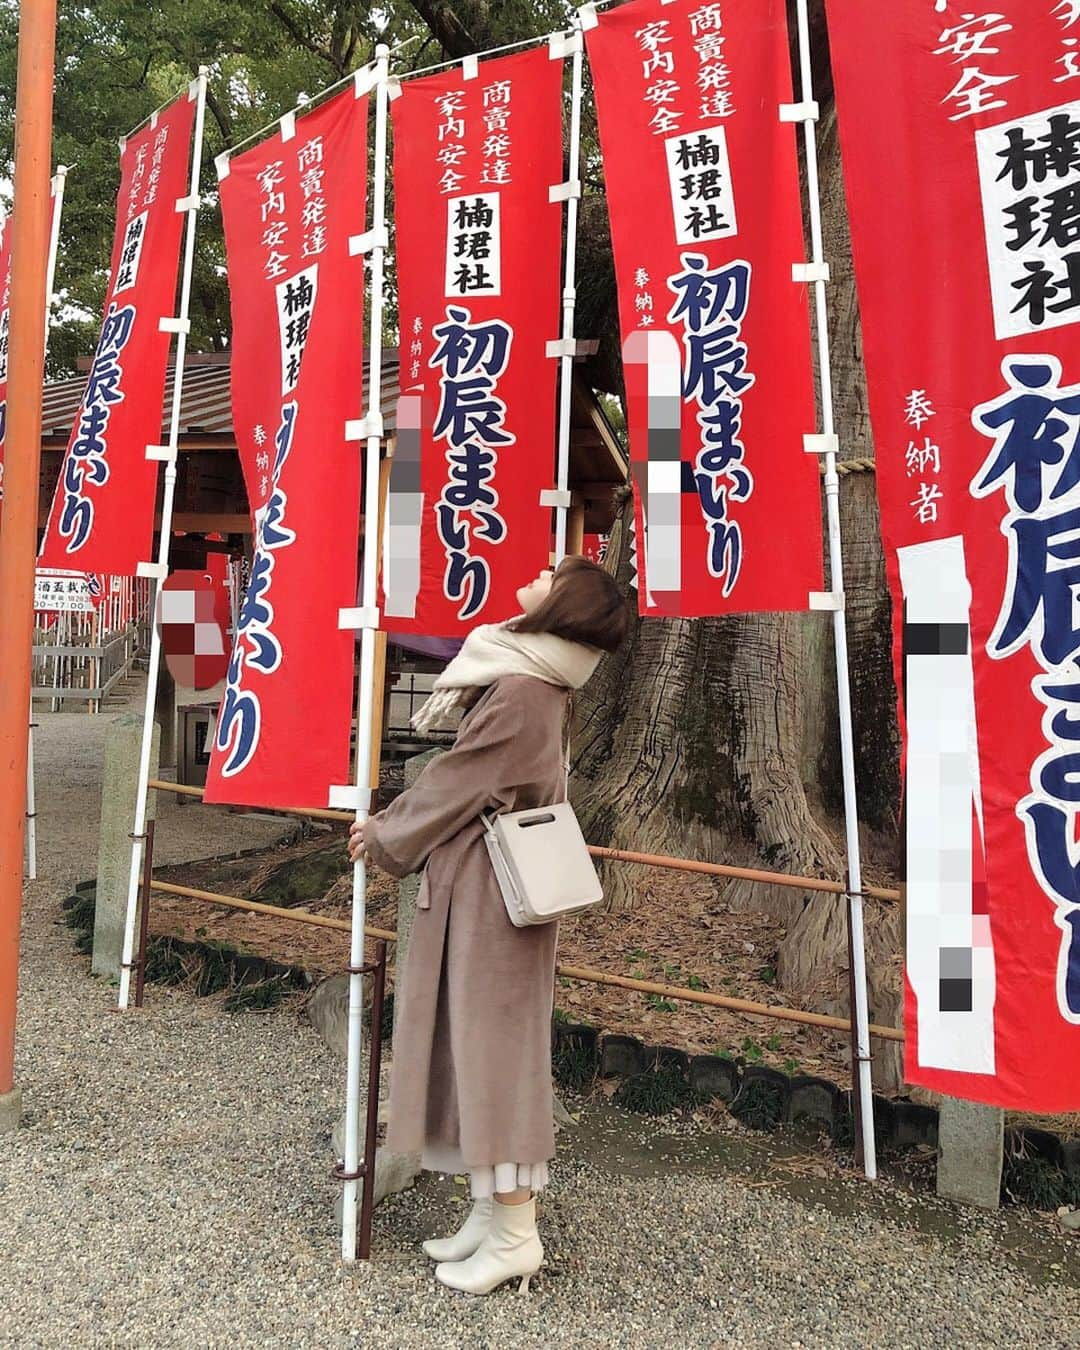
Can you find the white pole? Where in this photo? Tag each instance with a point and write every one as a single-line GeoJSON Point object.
{"type": "Point", "coordinates": [366, 701]}
{"type": "Point", "coordinates": [836, 566]}
{"type": "Point", "coordinates": [164, 541]}
{"type": "Point", "coordinates": [59, 179]}
{"type": "Point", "coordinates": [566, 389]}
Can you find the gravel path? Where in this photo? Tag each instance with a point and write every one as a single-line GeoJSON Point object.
{"type": "Point", "coordinates": [170, 1187]}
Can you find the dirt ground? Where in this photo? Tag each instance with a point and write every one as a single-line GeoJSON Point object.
{"type": "Point", "coordinates": [681, 935]}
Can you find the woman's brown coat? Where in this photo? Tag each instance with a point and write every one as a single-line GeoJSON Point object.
{"type": "Point", "coordinates": [472, 1045]}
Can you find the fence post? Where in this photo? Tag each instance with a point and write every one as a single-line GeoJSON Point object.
{"type": "Point", "coordinates": [971, 1152]}
{"type": "Point", "coordinates": [119, 789]}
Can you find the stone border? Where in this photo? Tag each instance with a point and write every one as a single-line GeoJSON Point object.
{"type": "Point", "coordinates": [766, 1098]}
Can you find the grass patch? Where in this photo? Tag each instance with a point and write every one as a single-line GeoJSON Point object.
{"type": "Point", "coordinates": [573, 1064]}
{"type": "Point", "coordinates": [759, 1104]}
{"type": "Point", "coordinates": [1036, 1182]}
{"type": "Point", "coordinates": [164, 964]}
{"type": "Point", "coordinates": [655, 1094]}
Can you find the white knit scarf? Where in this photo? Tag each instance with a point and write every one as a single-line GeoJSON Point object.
{"type": "Point", "coordinates": [494, 651]}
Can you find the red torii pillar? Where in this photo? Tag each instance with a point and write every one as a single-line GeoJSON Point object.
{"type": "Point", "coordinates": [18, 533]}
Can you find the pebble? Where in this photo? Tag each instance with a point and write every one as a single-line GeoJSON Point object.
{"type": "Point", "coordinates": [171, 1186]}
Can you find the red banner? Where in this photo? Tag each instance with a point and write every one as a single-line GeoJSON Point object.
{"type": "Point", "coordinates": [102, 516]}
{"type": "Point", "coordinates": [703, 187]}
{"type": "Point", "coordinates": [5, 325]}
{"type": "Point", "coordinates": [479, 244]}
{"type": "Point", "coordinates": [290, 207]}
{"type": "Point", "coordinates": [967, 254]}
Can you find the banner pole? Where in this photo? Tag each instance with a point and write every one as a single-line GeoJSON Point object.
{"type": "Point", "coordinates": [160, 570]}
{"type": "Point", "coordinates": [366, 699]}
{"type": "Point", "coordinates": [59, 179]}
{"type": "Point", "coordinates": [569, 302]}
{"type": "Point", "coordinates": [860, 1012]}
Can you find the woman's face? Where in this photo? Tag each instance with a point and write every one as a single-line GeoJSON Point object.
{"type": "Point", "coordinates": [533, 595]}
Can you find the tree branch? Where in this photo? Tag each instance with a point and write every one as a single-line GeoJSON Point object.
{"type": "Point", "coordinates": [221, 117]}
{"type": "Point", "coordinates": [298, 35]}
{"type": "Point", "coordinates": [448, 30]}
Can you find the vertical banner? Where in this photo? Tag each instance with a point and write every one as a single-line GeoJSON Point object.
{"type": "Point", "coordinates": [291, 205]}
{"type": "Point", "coordinates": [476, 154]}
{"type": "Point", "coordinates": [5, 313]}
{"type": "Point", "coordinates": [102, 516]}
{"type": "Point", "coordinates": [706, 220]}
{"type": "Point", "coordinates": [967, 256]}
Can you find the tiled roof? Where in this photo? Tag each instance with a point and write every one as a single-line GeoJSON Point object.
{"type": "Point", "coordinates": [205, 405]}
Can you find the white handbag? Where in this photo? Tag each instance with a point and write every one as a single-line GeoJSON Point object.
{"type": "Point", "coordinates": [542, 863]}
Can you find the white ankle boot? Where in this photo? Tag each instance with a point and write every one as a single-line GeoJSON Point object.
{"type": "Point", "coordinates": [510, 1249]}
{"type": "Point", "coordinates": [467, 1238]}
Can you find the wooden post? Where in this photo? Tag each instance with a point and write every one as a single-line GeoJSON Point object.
{"type": "Point", "coordinates": [575, 525]}
{"type": "Point", "coordinates": [18, 538]}
{"type": "Point", "coordinates": [379, 701]}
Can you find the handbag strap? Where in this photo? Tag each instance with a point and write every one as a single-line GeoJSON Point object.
{"type": "Point", "coordinates": [568, 728]}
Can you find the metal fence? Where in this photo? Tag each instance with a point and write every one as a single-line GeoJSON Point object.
{"type": "Point", "coordinates": [80, 657]}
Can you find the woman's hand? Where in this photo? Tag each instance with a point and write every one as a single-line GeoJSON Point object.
{"type": "Point", "coordinates": [358, 852]}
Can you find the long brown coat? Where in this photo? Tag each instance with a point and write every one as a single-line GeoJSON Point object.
{"type": "Point", "coordinates": [472, 1046]}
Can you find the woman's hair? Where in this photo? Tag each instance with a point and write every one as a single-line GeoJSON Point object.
{"type": "Point", "coordinates": [583, 605]}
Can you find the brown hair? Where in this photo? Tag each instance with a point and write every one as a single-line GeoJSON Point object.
{"type": "Point", "coordinates": [583, 605]}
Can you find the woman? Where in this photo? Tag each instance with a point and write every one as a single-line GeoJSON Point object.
{"type": "Point", "coordinates": [471, 1083]}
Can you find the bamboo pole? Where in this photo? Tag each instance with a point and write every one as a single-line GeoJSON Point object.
{"type": "Point", "coordinates": [580, 973]}
{"type": "Point", "coordinates": [275, 911]}
{"type": "Point", "coordinates": [624, 855]}
{"type": "Point", "coordinates": [312, 813]}
{"type": "Point", "coordinates": [18, 538]}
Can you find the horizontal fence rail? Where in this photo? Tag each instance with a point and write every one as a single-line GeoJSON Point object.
{"type": "Point", "coordinates": [623, 855]}
{"type": "Point", "coordinates": [581, 974]}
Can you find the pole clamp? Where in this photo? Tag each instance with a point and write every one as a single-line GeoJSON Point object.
{"type": "Point", "coordinates": [557, 498]}
{"type": "Point", "coordinates": [574, 348]}
{"type": "Point", "coordinates": [807, 111]}
{"type": "Point", "coordinates": [562, 45]}
{"type": "Point", "coordinates": [817, 444]}
{"type": "Point", "coordinates": [588, 17]}
{"type": "Point", "coordinates": [221, 164]}
{"type": "Point", "coordinates": [810, 272]}
{"type": "Point", "coordinates": [191, 203]}
{"type": "Point", "coordinates": [152, 571]}
{"type": "Point", "coordinates": [569, 191]}
{"type": "Point", "coordinates": [349, 798]}
{"type": "Point", "coordinates": [163, 454]}
{"type": "Point", "coordinates": [341, 1175]}
{"type": "Point", "coordinates": [827, 601]}
{"type": "Point", "coordinates": [364, 80]}
{"type": "Point", "coordinates": [363, 428]}
{"type": "Point", "coordinates": [171, 325]}
{"type": "Point", "coordinates": [366, 243]}
{"type": "Point", "coordinates": [357, 619]}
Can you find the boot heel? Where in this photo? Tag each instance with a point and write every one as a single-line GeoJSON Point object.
{"type": "Point", "coordinates": [523, 1287]}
